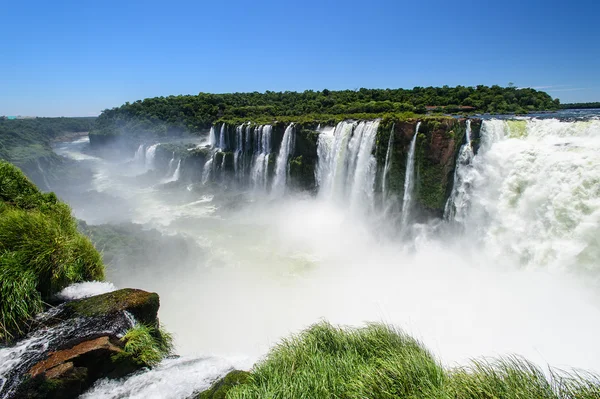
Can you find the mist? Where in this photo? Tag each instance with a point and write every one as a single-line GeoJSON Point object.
{"type": "Point", "coordinates": [237, 270]}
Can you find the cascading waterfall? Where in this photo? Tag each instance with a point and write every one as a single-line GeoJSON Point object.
{"type": "Point", "coordinates": [222, 143]}
{"type": "Point", "coordinates": [388, 163]}
{"type": "Point", "coordinates": [177, 172]}
{"type": "Point", "coordinates": [140, 155]}
{"type": "Point", "coordinates": [346, 166]}
{"type": "Point", "coordinates": [409, 180]}
{"type": "Point", "coordinates": [535, 192]}
{"type": "Point", "coordinates": [260, 163]}
{"type": "Point", "coordinates": [282, 169]}
{"type": "Point", "coordinates": [149, 158]}
{"type": "Point", "coordinates": [171, 163]}
{"type": "Point", "coordinates": [212, 137]}
{"type": "Point", "coordinates": [458, 202]}
{"type": "Point", "coordinates": [207, 169]}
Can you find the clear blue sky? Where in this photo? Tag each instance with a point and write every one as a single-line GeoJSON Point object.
{"type": "Point", "coordinates": [80, 57]}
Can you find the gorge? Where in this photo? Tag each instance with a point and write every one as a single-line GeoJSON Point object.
{"type": "Point", "coordinates": [477, 236]}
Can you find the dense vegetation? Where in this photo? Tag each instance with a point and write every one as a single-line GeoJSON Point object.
{"type": "Point", "coordinates": [176, 114]}
{"type": "Point", "coordinates": [379, 362]}
{"type": "Point", "coordinates": [22, 140]}
{"type": "Point", "coordinates": [580, 105]}
{"type": "Point", "coordinates": [41, 251]}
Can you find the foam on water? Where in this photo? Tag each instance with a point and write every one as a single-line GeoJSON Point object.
{"type": "Point", "coordinates": [86, 289]}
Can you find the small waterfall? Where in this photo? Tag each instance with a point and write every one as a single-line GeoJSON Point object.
{"type": "Point", "coordinates": [409, 179]}
{"type": "Point", "coordinates": [140, 155]}
{"type": "Point", "coordinates": [457, 205]}
{"type": "Point", "coordinates": [207, 169]}
{"type": "Point", "coordinates": [260, 164]}
{"type": "Point", "coordinates": [238, 155]}
{"type": "Point", "coordinates": [346, 166]}
{"type": "Point", "coordinates": [388, 163]}
{"type": "Point", "coordinates": [175, 176]}
{"type": "Point", "coordinates": [212, 137]}
{"type": "Point", "coordinates": [149, 158]}
{"type": "Point", "coordinates": [171, 163]}
{"type": "Point", "coordinates": [282, 169]}
{"type": "Point", "coordinates": [222, 144]}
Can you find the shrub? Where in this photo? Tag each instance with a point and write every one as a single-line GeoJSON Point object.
{"type": "Point", "coordinates": [147, 345]}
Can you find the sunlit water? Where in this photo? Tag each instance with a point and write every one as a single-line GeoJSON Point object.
{"type": "Point", "coordinates": [518, 273]}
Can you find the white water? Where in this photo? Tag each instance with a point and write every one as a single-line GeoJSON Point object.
{"type": "Point", "coordinates": [170, 167]}
{"type": "Point", "coordinates": [535, 193]}
{"type": "Point", "coordinates": [260, 165]}
{"type": "Point", "coordinates": [172, 379]}
{"type": "Point", "coordinates": [346, 167]}
{"type": "Point", "coordinates": [140, 155]}
{"type": "Point", "coordinates": [521, 278]}
{"type": "Point", "coordinates": [388, 163]}
{"type": "Point", "coordinates": [149, 158]}
{"type": "Point", "coordinates": [212, 137]}
{"type": "Point", "coordinates": [457, 206]}
{"type": "Point", "coordinates": [282, 167]}
{"type": "Point", "coordinates": [222, 144]}
{"type": "Point", "coordinates": [409, 184]}
{"type": "Point", "coordinates": [86, 289]}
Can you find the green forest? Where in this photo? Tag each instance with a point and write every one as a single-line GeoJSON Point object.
{"type": "Point", "coordinates": [190, 113]}
{"type": "Point", "coordinates": [23, 139]}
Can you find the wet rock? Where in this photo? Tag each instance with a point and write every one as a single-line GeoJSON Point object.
{"type": "Point", "coordinates": [75, 344]}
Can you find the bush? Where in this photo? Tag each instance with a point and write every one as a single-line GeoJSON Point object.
{"type": "Point", "coordinates": [41, 251]}
{"type": "Point", "coordinates": [147, 345]}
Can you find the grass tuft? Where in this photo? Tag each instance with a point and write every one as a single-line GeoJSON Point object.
{"type": "Point", "coordinates": [41, 251]}
{"type": "Point", "coordinates": [148, 345]}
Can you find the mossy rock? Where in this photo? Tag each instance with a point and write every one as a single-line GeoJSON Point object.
{"type": "Point", "coordinates": [141, 304]}
{"type": "Point", "coordinates": [220, 388]}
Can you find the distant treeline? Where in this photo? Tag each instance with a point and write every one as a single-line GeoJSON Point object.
{"type": "Point", "coordinates": [21, 139]}
{"type": "Point", "coordinates": [580, 105]}
{"type": "Point", "coordinates": [175, 114]}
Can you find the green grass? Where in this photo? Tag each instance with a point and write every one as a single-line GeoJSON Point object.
{"type": "Point", "coordinates": [41, 251]}
{"type": "Point", "coordinates": [380, 362]}
{"type": "Point", "coordinates": [147, 345]}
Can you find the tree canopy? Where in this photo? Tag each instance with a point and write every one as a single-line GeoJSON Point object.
{"type": "Point", "coordinates": [191, 113]}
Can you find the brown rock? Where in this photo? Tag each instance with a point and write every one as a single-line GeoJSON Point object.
{"type": "Point", "coordinates": [98, 347]}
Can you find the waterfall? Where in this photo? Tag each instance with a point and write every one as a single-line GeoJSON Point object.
{"type": "Point", "coordinates": [207, 169]}
{"type": "Point", "coordinates": [238, 155]}
{"type": "Point", "coordinates": [409, 179]}
{"type": "Point", "coordinates": [222, 144]}
{"type": "Point", "coordinates": [260, 164]}
{"type": "Point", "coordinates": [457, 205]}
{"type": "Point", "coordinates": [171, 163]}
{"type": "Point", "coordinates": [388, 162]}
{"type": "Point", "coordinates": [212, 137]}
{"type": "Point", "coordinates": [282, 169]}
{"type": "Point", "coordinates": [346, 166]}
{"type": "Point", "coordinates": [140, 155]}
{"type": "Point", "coordinates": [175, 176]}
{"type": "Point", "coordinates": [149, 158]}
{"type": "Point", "coordinates": [535, 192]}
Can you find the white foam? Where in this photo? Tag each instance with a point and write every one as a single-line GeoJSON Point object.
{"type": "Point", "coordinates": [85, 290]}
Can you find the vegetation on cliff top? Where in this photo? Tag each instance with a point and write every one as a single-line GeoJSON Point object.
{"type": "Point", "coordinates": [41, 251]}
{"type": "Point", "coordinates": [177, 114]}
{"type": "Point", "coordinates": [380, 362]}
{"type": "Point", "coordinates": [22, 140]}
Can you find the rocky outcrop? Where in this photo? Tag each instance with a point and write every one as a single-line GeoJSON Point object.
{"type": "Point", "coordinates": [75, 344]}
